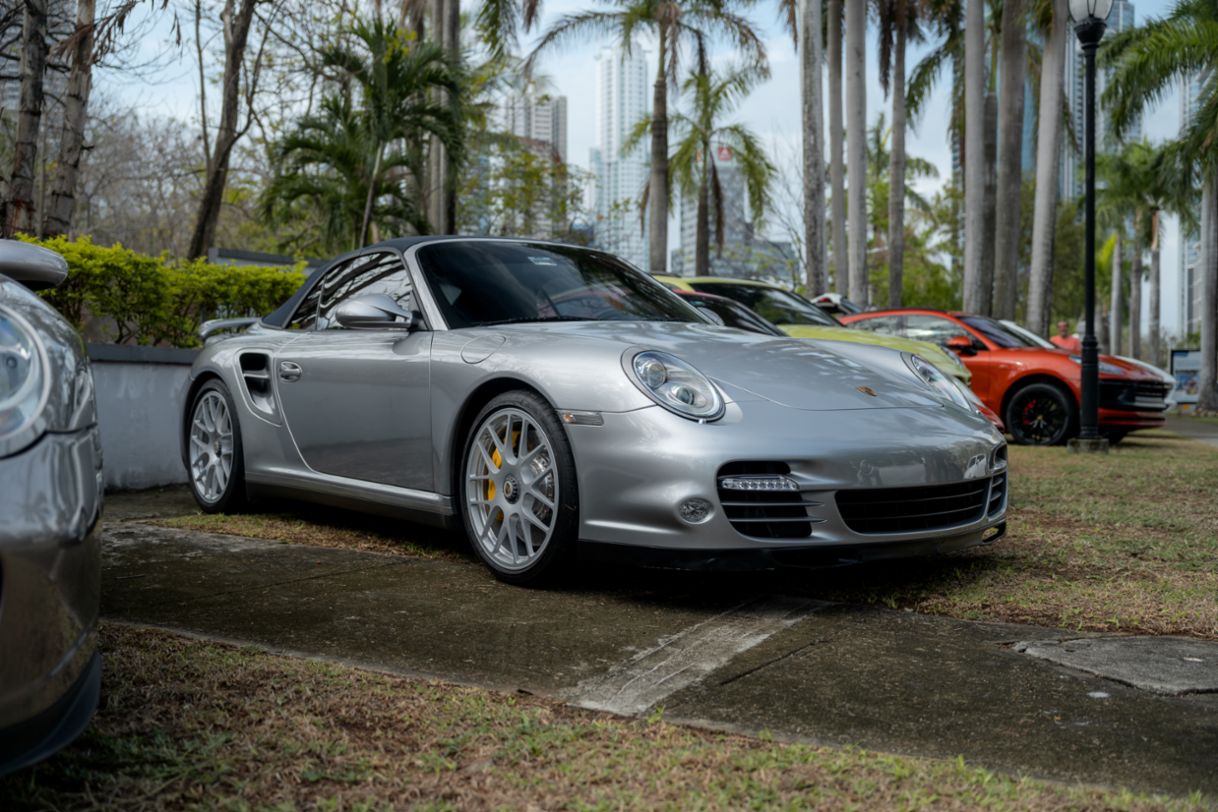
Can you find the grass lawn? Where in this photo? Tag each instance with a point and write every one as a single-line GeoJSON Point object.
{"type": "Point", "coordinates": [1125, 542]}
{"type": "Point", "coordinates": [189, 724]}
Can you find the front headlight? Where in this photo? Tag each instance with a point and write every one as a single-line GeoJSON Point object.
{"type": "Point", "coordinates": [925, 371]}
{"type": "Point", "coordinates": [22, 375]}
{"type": "Point", "coordinates": [675, 385]}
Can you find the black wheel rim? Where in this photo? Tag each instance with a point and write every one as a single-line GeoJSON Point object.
{"type": "Point", "coordinates": [1040, 419]}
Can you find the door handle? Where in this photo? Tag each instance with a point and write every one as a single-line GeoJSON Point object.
{"type": "Point", "coordinates": [289, 371]}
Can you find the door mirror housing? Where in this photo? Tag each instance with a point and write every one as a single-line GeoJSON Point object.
{"type": "Point", "coordinates": [374, 311]}
{"type": "Point", "coordinates": [961, 345]}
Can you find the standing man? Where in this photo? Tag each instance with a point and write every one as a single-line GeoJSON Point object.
{"type": "Point", "coordinates": [1064, 341]}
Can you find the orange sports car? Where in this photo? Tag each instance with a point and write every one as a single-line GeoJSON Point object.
{"type": "Point", "coordinates": [1036, 390]}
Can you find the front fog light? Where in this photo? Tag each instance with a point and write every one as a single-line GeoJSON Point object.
{"type": "Point", "coordinates": [695, 510]}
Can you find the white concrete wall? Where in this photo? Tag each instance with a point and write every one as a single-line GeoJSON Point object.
{"type": "Point", "coordinates": [139, 408]}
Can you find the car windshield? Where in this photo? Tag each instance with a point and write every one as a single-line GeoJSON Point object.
{"type": "Point", "coordinates": [772, 304]}
{"type": "Point", "coordinates": [1027, 335]}
{"type": "Point", "coordinates": [478, 283]}
{"type": "Point", "coordinates": [733, 314]}
{"type": "Point", "coordinates": [995, 332]}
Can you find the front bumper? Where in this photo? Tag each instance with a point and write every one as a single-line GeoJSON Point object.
{"type": "Point", "coordinates": [1129, 420]}
{"type": "Point", "coordinates": [639, 466]}
{"type": "Point", "coordinates": [50, 581]}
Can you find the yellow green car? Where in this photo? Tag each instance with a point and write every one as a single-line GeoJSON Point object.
{"type": "Point", "coordinates": [799, 318]}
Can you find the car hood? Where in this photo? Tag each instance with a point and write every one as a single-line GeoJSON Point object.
{"type": "Point", "coordinates": [931, 352]}
{"type": "Point", "coordinates": [822, 376]}
{"type": "Point", "coordinates": [1124, 369]}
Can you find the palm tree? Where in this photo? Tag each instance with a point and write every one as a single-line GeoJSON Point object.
{"type": "Point", "coordinates": [1010, 157]}
{"type": "Point", "coordinates": [856, 148]}
{"type": "Point", "coordinates": [676, 24]}
{"type": "Point", "coordinates": [837, 137]}
{"type": "Point", "coordinates": [700, 134]}
{"type": "Point", "coordinates": [397, 81]}
{"type": "Point", "coordinates": [362, 138]}
{"type": "Point", "coordinates": [899, 23]}
{"type": "Point", "coordinates": [1145, 61]}
{"type": "Point", "coordinates": [1051, 18]}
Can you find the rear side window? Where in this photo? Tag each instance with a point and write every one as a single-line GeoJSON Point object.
{"type": "Point", "coordinates": [935, 329]}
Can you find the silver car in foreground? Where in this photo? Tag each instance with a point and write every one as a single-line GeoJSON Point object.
{"type": "Point", "coordinates": [538, 394]}
{"type": "Point", "coordinates": [50, 503]}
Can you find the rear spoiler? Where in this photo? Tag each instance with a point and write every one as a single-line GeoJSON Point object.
{"type": "Point", "coordinates": [217, 325]}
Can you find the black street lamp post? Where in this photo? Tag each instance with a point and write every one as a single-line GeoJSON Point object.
{"type": "Point", "coordinates": [1090, 19]}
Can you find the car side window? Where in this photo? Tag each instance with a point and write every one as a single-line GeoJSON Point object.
{"type": "Point", "coordinates": [935, 329]}
{"type": "Point", "coordinates": [881, 324]}
{"type": "Point", "coordinates": [306, 312]}
{"type": "Point", "coordinates": [364, 275]}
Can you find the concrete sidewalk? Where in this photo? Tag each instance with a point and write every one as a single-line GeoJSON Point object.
{"type": "Point", "coordinates": [725, 652]}
{"type": "Point", "coordinates": [1193, 428]}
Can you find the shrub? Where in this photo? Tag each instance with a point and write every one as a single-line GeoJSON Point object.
{"type": "Point", "coordinates": [131, 298]}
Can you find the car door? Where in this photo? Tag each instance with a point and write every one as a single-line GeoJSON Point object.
{"type": "Point", "coordinates": [357, 401]}
{"type": "Point", "coordinates": [938, 330]}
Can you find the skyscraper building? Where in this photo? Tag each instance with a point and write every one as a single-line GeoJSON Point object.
{"type": "Point", "coordinates": [537, 117]}
{"type": "Point", "coordinates": [1070, 178]}
{"type": "Point", "coordinates": [1190, 244]}
{"type": "Point", "coordinates": [622, 101]}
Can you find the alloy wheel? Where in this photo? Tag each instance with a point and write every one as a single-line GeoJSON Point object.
{"type": "Point", "coordinates": [512, 489]}
{"type": "Point", "coordinates": [211, 446]}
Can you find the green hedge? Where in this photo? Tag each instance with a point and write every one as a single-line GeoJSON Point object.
{"type": "Point", "coordinates": [131, 298]}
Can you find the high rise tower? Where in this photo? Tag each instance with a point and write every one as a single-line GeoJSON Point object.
{"type": "Point", "coordinates": [622, 101]}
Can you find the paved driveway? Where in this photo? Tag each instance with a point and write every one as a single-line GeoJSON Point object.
{"type": "Point", "coordinates": [749, 653]}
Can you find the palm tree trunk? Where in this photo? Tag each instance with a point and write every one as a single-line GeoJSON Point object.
{"type": "Point", "coordinates": [702, 224]}
{"type": "Point", "coordinates": [896, 165]}
{"type": "Point", "coordinates": [976, 294]}
{"type": "Point", "coordinates": [448, 177]}
{"type": "Point", "coordinates": [1135, 294]}
{"type": "Point", "coordinates": [837, 137]}
{"type": "Point", "coordinates": [1153, 305]}
{"type": "Point", "coordinates": [19, 208]}
{"type": "Point", "coordinates": [236, 34]}
{"type": "Point", "coordinates": [1048, 148]}
{"type": "Point", "coordinates": [1010, 158]}
{"type": "Point", "coordinates": [368, 199]}
{"type": "Point", "coordinates": [58, 217]}
{"type": "Point", "coordinates": [815, 276]}
{"type": "Point", "coordinates": [1207, 399]}
{"type": "Point", "coordinates": [657, 253]}
{"type": "Point", "coordinates": [989, 206]}
{"type": "Point", "coordinates": [1114, 306]}
{"type": "Point", "coordinates": [856, 148]}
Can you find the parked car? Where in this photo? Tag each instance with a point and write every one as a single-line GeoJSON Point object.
{"type": "Point", "coordinates": [798, 317]}
{"type": "Point", "coordinates": [50, 501]}
{"type": "Point", "coordinates": [1163, 375]}
{"type": "Point", "coordinates": [1037, 390]}
{"type": "Point", "coordinates": [447, 379]}
{"type": "Point", "coordinates": [731, 313]}
{"type": "Point", "coordinates": [835, 304]}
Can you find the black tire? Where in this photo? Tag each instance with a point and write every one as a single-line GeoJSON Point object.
{"type": "Point", "coordinates": [482, 504]}
{"type": "Point", "coordinates": [1041, 414]}
{"type": "Point", "coordinates": [1115, 437]}
{"type": "Point", "coordinates": [231, 497]}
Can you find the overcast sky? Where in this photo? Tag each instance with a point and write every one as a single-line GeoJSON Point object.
{"type": "Point", "coordinates": [772, 110]}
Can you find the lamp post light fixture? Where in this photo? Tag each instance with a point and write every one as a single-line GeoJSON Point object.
{"type": "Point", "coordinates": [1090, 18]}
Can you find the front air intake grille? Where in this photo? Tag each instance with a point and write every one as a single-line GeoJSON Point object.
{"type": "Point", "coordinates": [998, 494]}
{"type": "Point", "coordinates": [910, 510]}
{"type": "Point", "coordinates": [1140, 395]}
{"type": "Point", "coordinates": [767, 514]}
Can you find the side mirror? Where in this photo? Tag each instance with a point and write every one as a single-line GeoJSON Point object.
{"type": "Point", "coordinates": [35, 267]}
{"type": "Point", "coordinates": [961, 345]}
{"type": "Point", "coordinates": [374, 311]}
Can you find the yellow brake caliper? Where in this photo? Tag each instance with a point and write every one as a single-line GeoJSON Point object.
{"type": "Point", "coordinates": [497, 458]}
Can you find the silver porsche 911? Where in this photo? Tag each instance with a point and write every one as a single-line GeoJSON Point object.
{"type": "Point", "coordinates": [538, 394]}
